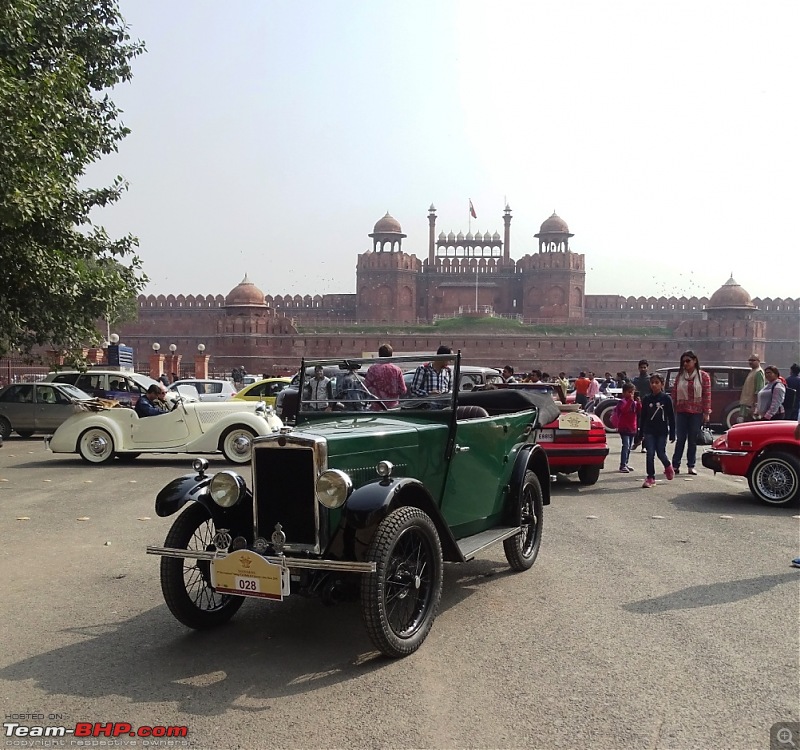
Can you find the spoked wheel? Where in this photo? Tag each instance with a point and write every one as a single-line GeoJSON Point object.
{"type": "Point", "coordinates": [96, 446]}
{"type": "Point", "coordinates": [186, 583]}
{"type": "Point", "coordinates": [775, 479]}
{"type": "Point", "coordinates": [237, 445]}
{"type": "Point", "coordinates": [521, 550]}
{"type": "Point", "coordinates": [400, 600]}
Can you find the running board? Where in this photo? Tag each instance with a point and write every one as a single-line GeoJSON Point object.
{"type": "Point", "coordinates": [471, 545]}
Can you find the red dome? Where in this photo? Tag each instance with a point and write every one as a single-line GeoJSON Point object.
{"type": "Point", "coordinates": [554, 225]}
{"type": "Point", "coordinates": [245, 293]}
{"type": "Point", "coordinates": [731, 294]}
{"type": "Point", "coordinates": [387, 225]}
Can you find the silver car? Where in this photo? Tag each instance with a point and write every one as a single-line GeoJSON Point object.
{"type": "Point", "coordinates": [208, 389]}
{"type": "Point", "coordinates": [26, 408]}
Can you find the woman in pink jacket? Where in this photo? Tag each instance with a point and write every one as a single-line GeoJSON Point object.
{"type": "Point", "coordinates": [691, 397]}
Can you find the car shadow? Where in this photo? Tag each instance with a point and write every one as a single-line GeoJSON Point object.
{"type": "Point", "coordinates": [183, 462]}
{"type": "Point", "coordinates": [569, 485]}
{"type": "Point", "coordinates": [709, 595]}
{"type": "Point", "coordinates": [731, 503]}
{"type": "Point", "coordinates": [267, 651]}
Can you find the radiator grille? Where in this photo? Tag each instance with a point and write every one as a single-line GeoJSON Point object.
{"type": "Point", "coordinates": [284, 493]}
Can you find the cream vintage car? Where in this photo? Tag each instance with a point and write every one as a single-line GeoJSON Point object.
{"type": "Point", "coordinates": [190, 427]}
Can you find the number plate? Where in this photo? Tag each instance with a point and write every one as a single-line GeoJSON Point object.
{"type": "Point", "coordinates": [546, 436]}
{"type": "Point", "coordinates": [246, 573]}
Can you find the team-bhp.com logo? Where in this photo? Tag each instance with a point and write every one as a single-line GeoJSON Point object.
{"type": "Point", "coordinates": [96, 729]}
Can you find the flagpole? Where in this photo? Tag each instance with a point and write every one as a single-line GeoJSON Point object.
{"type": "Point", "coordinates": [474, 260]}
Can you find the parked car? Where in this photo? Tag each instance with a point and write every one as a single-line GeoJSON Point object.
{"type": "Point", "coordinates": [208, 389]}
{"type": "Point", "coordinates": [191, 427]}
{"type": "Point", "coordinates": [26, 408]}
{"type": "Point", "coordinates": [116, 385]}
{"type": "Point", "coordinates": [364, 505]}
{"type": "Point", "coordinates": [602, 406]}
{"type": "Point", "coordinates": [726, 387]}
{"type": "Point", "coordinates": [767, 453]}
{"type": "Point", "coordinates": [287, 399]}
{"type": "Point", "coordinates": [574, 441]}
{"type": "Point", "coordinates": [266, 390]}
{"type": "Point", "coordinates": [471, 376]}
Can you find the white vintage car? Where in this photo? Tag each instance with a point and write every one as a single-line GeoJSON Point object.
{"type": "Point", "coordinates": [190, 427]}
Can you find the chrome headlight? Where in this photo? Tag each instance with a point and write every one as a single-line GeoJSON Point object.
{"type": "Point", "coordinates": [384, 469]}
{"type": "Point", "coordinates": [333, 487]}
{"type": "Point", "coordinates": [226, 489]}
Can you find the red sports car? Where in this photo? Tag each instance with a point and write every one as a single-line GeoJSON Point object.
{"type": "Point", "coordinates": [767, 453]}
{"type": "Point", "coordinates": [575, 442]}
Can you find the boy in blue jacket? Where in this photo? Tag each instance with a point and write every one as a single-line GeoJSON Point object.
{"type": "Point", "coordinates": [656, 423]}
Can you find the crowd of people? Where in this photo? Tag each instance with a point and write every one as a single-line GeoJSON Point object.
{"type": "Point", "coordinates": [648, 415]}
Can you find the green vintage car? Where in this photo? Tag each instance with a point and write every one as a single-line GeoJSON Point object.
{"type": "Point", "coordinates": [360, 501]}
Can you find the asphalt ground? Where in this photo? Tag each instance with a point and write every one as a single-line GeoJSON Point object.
{"type": "Point", "coordinates": [660, 618]}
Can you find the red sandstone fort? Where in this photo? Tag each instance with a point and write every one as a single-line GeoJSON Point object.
{"type": "Point", "coordinates": [465, 274]}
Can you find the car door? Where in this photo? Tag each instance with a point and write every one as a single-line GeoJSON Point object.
{"type": "Point", "coordinates": [169, 430]}
{"type": "Point", "coordinates": [52, 408]}
{"type": "Point", "coordinates": [133, 391]}
{"type": "Point", "coordinates": [474, 489]}
{"type": "Point", "coordinates": [213, 392]}
{"type": "Point", "coordinates": [93, 383]}
{"type": "Point", "coordinates": [18, 406]}
{"type": "Point", "coordinates": [271, 390]}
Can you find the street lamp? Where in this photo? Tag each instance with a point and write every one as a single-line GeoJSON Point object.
{"type": "Point", "coordinates": [156, 346]}
{"type": "Point", "coordinates": [172, 348]}
{"type": "Point", "coordinates": [114, 338]}
{"type": "Point", "coordinates": [201, 348]}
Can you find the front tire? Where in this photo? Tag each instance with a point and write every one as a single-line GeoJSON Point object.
{"type": "Point", "coordinates": [5, 428]}
{"type": "Point", "coordinates": [237, 445]}
{"type": "Point", "coordinates": [400, 600]}
{"type": "Point", "coordinates": [186, 583]}
{"type": "Point", "coordinates": [775, 479]}
{"type": "Point", "coordinates": [521, 550]}
{"type": "Point", "coordinates": [96, 446]}
{"type": "Point", "coordinates": [589, 475]}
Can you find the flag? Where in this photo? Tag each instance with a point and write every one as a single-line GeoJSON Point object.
{"type": "Point", "coordinates": [472, 210]}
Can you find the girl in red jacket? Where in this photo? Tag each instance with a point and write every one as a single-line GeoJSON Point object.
{"type": "Point", "coordinates": [627, 417]}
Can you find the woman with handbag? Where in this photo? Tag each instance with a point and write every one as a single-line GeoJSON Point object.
{"type": "Point", "coordinates": [691, 397]}
{"type": "Point", "coordinates": [769, 404]}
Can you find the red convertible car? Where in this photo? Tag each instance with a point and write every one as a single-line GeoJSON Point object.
{"type": "Point", "coordinates": [767, 453]}
{"type": "Point", "coordinates": [574, 442]}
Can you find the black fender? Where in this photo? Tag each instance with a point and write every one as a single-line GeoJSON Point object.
{"type": "Point", "coordinates": [531, 457]}
{"type": "Point", "coordinates": [195, 488]}
{"type": "Point", "coordinates": [369, 505]}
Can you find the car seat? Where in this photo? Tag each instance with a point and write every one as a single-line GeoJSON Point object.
{"type": "Point", "coordinates": [471, 412]}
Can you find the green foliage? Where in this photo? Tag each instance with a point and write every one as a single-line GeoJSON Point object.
{"type": "Point", "coordinates": [60, 271]}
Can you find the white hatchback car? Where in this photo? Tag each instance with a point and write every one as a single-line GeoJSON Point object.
{"type": "Point", "coordinates": [208, 390]}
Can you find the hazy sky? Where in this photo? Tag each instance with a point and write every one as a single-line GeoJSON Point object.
{"type": "Point", "coordinates": [269, 137]}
